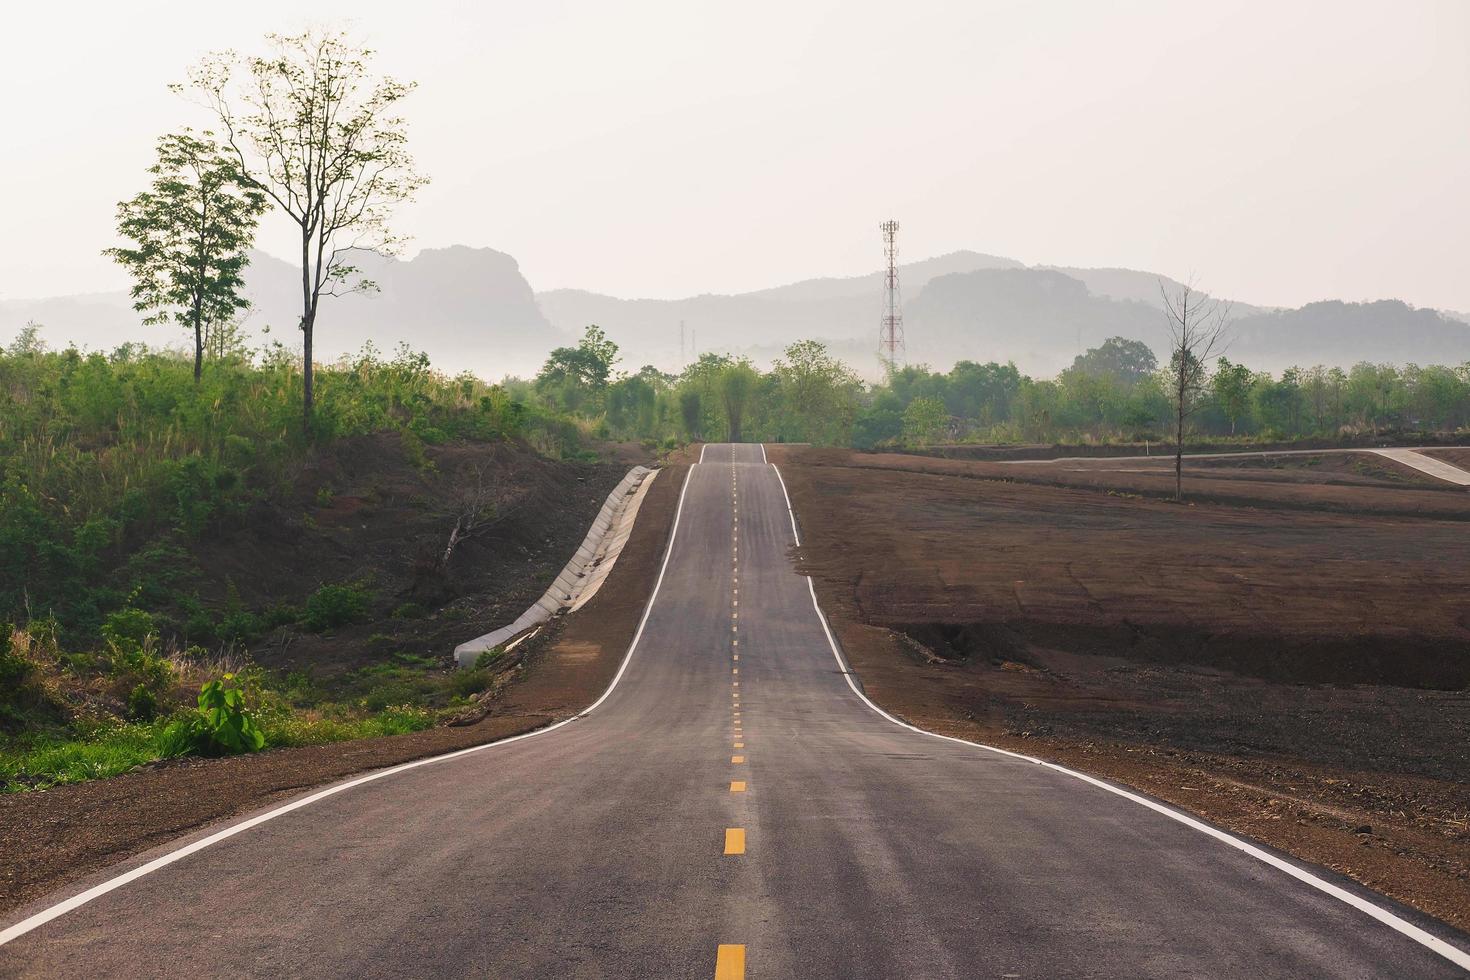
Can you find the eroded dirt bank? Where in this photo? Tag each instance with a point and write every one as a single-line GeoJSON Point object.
{"type": "Point", "coordinates": [64, 834]}
{"type": "Point", "coordinates": [1291, 665]}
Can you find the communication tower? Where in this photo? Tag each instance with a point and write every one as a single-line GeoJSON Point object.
{"type": "Point", "coordinates": [890, 336]}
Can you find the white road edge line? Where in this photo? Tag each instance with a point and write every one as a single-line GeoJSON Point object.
{"type": "Point", "coordinates": [1397, 923]}
{"type": "Point", "coordinates": [112, 884]}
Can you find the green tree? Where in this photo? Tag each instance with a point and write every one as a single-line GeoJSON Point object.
{"type": "Point", "coordinates": [190, 233]}
{"type": "Point", "coordinates": [923, 421]}
{"type": "Point", "coordinates": [1232, 384]}
{"type": "Point", "coordinates": [577, 377]}
{"type": "Point", "coordinates": [1119, 358]}
{"type": "Point", "coordinates": [818, 394]}
{"type": "Point", "coordinates": [631, 403]}
{"type": "Point", "coordinates": [691, 411]}
{"type": "Point", "coordinates": [317, 132]}
{"type": "Point", "coordinates": [736, 383]}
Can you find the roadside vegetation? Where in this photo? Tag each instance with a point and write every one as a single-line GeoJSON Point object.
{"type": "Point", "coordinates": [118, 470]}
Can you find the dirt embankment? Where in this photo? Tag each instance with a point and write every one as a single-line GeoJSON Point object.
{"type": "Point", "coordinates": [61, 835]}
{"type": "Point", "coordinates": [373, 511]}
{"type": "Point", "coordinates": [1294, 674]}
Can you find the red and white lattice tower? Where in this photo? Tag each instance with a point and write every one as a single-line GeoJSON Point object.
{"type": "Point", "coordinates": [890, 336]}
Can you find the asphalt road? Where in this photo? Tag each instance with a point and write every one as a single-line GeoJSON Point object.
{"type": "Point", "coordinates": [599, 849]}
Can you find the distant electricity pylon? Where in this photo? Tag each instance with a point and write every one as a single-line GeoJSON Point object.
{"type": "Point", "coordinates": [890, 337]}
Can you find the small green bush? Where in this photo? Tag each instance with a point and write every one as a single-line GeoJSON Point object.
{"type": "Point", "coordinates": [142, 704]}
{"type": "Point", "coordinates": [128, 626]}
{"type": "Point", "coordinates": [409, 610]}
{"type": "Point", "coordinates": [335, 605]}
{"type": "Point", "coordinates": [463, 683]}
{"type": "Point", "coordinates": [240, 626]}
{"type": "Point", "coordinates": [221, 725]}
{"type": "Point", "coordinates": [281, 614]}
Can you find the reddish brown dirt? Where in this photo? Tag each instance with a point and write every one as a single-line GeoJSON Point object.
{"type": "Point", "coordinates": [367, 510]}
{"type": "Point", "coordinates": [56, 836]}
{"type": "Point", "coordinates": [1293, 676]}
{"type": "Point", "coordinates": [1335, 486]}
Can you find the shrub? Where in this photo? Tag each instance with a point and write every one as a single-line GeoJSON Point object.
{"type": "Point", "coordinates": [335, 605]}
{"type": "Point", "coordinates": [142, 704]}
{"type": "Point", "coordinates": [240, 626]}
{"type": "Point", "coordinates": [220, 725]}
{"type": "Point", "coordinates": [489, 657]}
{"type": "Point", "coordinates": [409, 610]}
{"type": "Point", "coordinates": [128, 626]}
{"type": "Point", "coordinates": [463, 683]}
{"type": "Point", "coordinates": [282, 614]}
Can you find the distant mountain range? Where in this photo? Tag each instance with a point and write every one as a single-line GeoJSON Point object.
{"type": "Point", "coordinates": [467, 308]}
{"type": "Point", "coordinates": [471, 309]}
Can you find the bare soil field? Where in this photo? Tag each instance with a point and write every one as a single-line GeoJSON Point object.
{"type": "Point", "coordinates": [1331, 482]}
{"type": "Point", "coordinates": [67, 833]}
{"type": "Point", "coordinates": [1287, 656]}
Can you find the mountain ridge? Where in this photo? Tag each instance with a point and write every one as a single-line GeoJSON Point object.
{"type": "Point", "coordinates": [473, 309]}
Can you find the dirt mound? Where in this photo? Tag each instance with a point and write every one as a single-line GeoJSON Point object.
{"type": "Point", "coordinates": [375, 511]}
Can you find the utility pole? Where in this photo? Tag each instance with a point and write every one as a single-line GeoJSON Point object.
{"type": "Point", "coordinates": [890, 336]}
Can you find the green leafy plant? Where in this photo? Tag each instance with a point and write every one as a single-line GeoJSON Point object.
{"type": "Point", "coordinates": [220, 725]}
{"type": "Point", "coordinates": [335, 605]}
{"type": "Point", "coordinates": [142, 704]}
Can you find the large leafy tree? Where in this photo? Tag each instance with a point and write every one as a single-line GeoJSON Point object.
{"type": "Point", "coordinates": [314, 129]}
{"type": "Point", "coordinates": [190, 233]}
{"type": "Point", "coordinates": [737, 382]}
{"type": "Point", "coordinates": [1126, 360]}
{"type": "Point", "coordinates": [1233, 384]}
{"type": "Point", "coordinates": [577, 377]}
{"type": "Point", "coordinates": [818, 393]}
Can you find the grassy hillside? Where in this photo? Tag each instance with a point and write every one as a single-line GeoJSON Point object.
{"type": "Point", "coordinates": [156, 534]}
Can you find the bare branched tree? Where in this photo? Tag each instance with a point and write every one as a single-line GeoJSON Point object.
{"type": "Point", "coordinates": [1197, 333]}
{"type": "Point", "coordinates": [315, 131]}
{"type": "Point", "coordinates": [480, 506]}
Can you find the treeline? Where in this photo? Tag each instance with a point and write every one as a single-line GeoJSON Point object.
{"type": "Point", "coordinates": [1115, 392]}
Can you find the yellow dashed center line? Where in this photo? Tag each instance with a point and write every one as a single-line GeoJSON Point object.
{"type": "Point", "coordinates": [740, 745]}
{"type": "Point", "coordinates": [730, 962]}
{"type": "Point", "coordinates": [736, 760]}
{"type": "Point", "coordinates": [735, 841]}
{"type": "Point", "coordinates": [737, 786]}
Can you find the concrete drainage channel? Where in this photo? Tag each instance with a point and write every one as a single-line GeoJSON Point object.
{"type": "Point", "coordinates": [584, 574]}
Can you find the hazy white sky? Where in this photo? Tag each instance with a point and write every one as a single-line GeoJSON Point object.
{"type": "Point", "coordinates": [1279, 151]}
